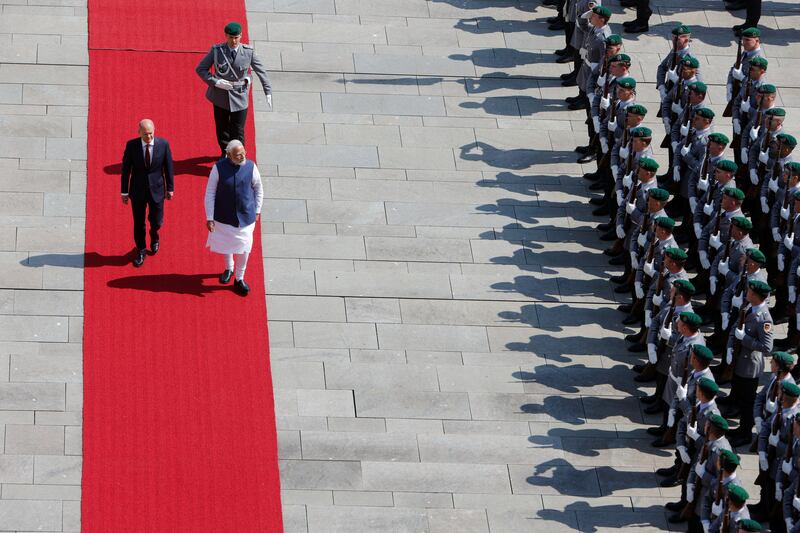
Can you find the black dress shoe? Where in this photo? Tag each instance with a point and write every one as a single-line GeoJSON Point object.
{"type": "Point", "coordinates": [623, 289]}
{"type": "Point", "coordinates": [154, 247]}
{"type": "Point", "coordinates": [633, 338]}
{"type": "Point", "coordinates": [582, 149]}
{"type": "Point", "coordinates": [740, 439]}
{"type": "Point", "coordinates": [661, 443]}
{"type": "Point", "coordinates": [225, 277]}
{"type": "Point", "coordinates": [551, 3]}
{"type": "Point", "coordinates": [580, 104]}
{"type": "Point", "coordinates": [676, 506]}
{"type": "Point", "coordinates": [241, 287]}
{"type": "Point", "coordinates": [631, 320]}
{"type": "Point", "coordinates": [671, 481]}
{"type": "Point", "coordinates": [587, 157]}
{"type": "Point", "coordinates": [591, 176]}
{"type": "Point", "coordinates": [570, 82]}
{"type": "Point", "coordinates": [565, 50]}
{"type": "Point", "coordinates": [618, 260]}
{"type": "Point", "coordinates": [657, 431]}
{"type": "Point", "coordinates": [624, 308]}
{"type": "Point", "coordinates": [639, 347]}
{"type": "Point", "coordinates": [643, 378]}
{"type": "Point", "coordinates": [551, 20]}
{"type": "Point", "coordinates": [648, 400]}
{"type": "Point", "coordinates": [611, 252]}
{"type": "Point", "coordinates": [655, 408]}
{"type": "Point", "coordinates": [139, 259]}
{"type": "Point", "coordinates": [597, 186]}
{"type": "Point", "coordinates": [676, 518]}
{"type": "Point", "coordinates": [627, 3]}
{"type": "Point", "coordinates": [640, 27]}
{"type": "Point", "coordinates": [668, 471]}
{"type": "Point", "coordinates": [598, 201]}
{"type": "Point", "coordinates": [567, 75]}
{"type": "Point", "coordinates": [610, 235]}
{"type": "Point", "coordinates": [557, 25]}
{"type": "Point", "coordinates": [605, 226]}
{"type": "Point", "coordinates": [571, 99]}
{"type": "Point", "coordinates": [639, 368]}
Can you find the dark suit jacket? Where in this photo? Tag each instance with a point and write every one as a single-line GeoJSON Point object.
{"type": "Point", "coordinates": [136, 178]}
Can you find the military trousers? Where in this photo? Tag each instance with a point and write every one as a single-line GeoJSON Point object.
{"type": "Point", "coordinates": [229, 125]}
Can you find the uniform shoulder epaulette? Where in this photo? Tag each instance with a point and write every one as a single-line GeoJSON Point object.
{"type": "Point", "coordinates": [249, 47]}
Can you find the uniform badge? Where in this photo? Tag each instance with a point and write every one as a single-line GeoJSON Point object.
{"type": "Point", "coordinates": [767, 327]}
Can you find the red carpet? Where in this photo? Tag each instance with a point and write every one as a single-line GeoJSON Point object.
{"type": "Point", "coordinates": [179, 426]}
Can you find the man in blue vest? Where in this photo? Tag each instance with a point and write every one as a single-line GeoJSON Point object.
{"type": "Point", "coordinates": [233, 205]}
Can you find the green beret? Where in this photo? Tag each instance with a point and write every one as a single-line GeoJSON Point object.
{"type": "Point", "coordinates": [681, 29]}
{"type": "Point", "coordinates": [648, 164]}
{"type": "Point", "coordinates": [737, 494]}
{"type": "Point", "coordinates": [760, 62]}
{"type": "Point", "coordinates": [659, 194]}
{"type": "Point", "coordinates": [729, 458]}
{"type": "Point", "coordinates": [742, 223]}
{"type": "Point", "coordinates": [767, 88]}
{"type": "Point", "coordinates": [685, 286]}
{"type": "Point", "coordinates": [793, 166]}
{"type": "Point", "coordinates": [754, 254]}
{"type": "Point", "coordinates": [603, 11]}
{"type": "Point", "coordinates": [719, 422]}
{"type": "Point", "coordinates": [776, 112]}
{"type": "Point", "coordinates": [698, 87]}
{"type": "Point", "coordinates": [784, 359]}
{"type": "Point", "coordinates": [734, 193]}
{"type": "Point", "coordinates": [748, 524]}
{"type": "Point", "coordinates": [636, 109]}
{"type": "Point", "coordinates": [676, 253]}
{"type": "Point", "coordinates": [720, 138]}
{"type": "Point", "coordinates": [705, 112]}
{"type": "Point", "coordinates": [614, 39]}
{"type": "Point", "coordinates": [790, 388]}
{"type": "Point", "coordinates": [708, 385]}
{"type": "Point", "coordinates": [626, 83]}
{"type": "Point", "coordinates": [726, 165]}
{"type": "Point", "coordinates": [796, 194]}
{"type": "Point", "coordinates": [704, 353]}
{"type": "Point", "coordinates": [642, 132]}
{"type": "Point", "coordinates": [787, 139]}
{"type": "Point", "coordinates": [691, 319]}
{"type": "Point", "coordinates": [760, 287]}
{"type": "Point", "coordinates": [751, 32]}
{"type": "Point", "coordinates": [690, 61]}
{"type": "Point", "coordinates": [616, 58]}
{"type": "Point", "coordinates": [233, 28]}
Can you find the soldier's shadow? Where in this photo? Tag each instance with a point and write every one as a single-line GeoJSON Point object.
{"type": "Point", "coordinates": [193, 166]}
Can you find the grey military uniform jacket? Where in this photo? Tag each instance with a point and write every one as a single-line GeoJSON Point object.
{"type": "Point", "coordinates": [713, 193]}
{"type": "Point", "coordinates": [640, 201]}
{"type": "Point", "coordinates": [672, 96]}
{"type": "Point", "coordinates": [666, 63]}
{"type": "Point", "coordinates": [775, 213]}
{"type": "Point", "coordinates": [733, 521]}
{"type": "Point", "coordinates": [726, 302]}
{"type": "Point", "coordinates": [746, 141]}
{"type": "Point", "coordinates": [790, 490]}
{"type": "Point", "coordinates": [672, 277]}
{"type": "Point", "coordinates": [757, 341]}
{"type": "Point", "coordinates": [654, 335]}
{"type": "Point", "coordinates": [595, 46]}
{"type": "Point", "coordinates": [703, 412]}
{"type": "Point", "coordinates": [678, 359]}
{"type": "Point", "coordinates": [784, 440]}
{"type": "Point", "coordinates": [746, 58]}
{"type": "Point", "coordinates": [757, 146]}
{"type": "Point", "coordinates": [735, 258]}
{"type": "Point", "coordinates": [747, 93]}
{"type": "Point", "coordinates": [764, 407]}
{"type": "Point", "coordinates": [658, 255]}
{"type": "Point", "coordinates": [691, 163]}
{"type": "Point", "coordinates": [705, 512]}
{"type": "Point", "coordinates": [714, 449]}
{"type": "Point", "coordinates": [724, 230]}
{"type": "Point", "coordinates": [235, 71]}
{"type": "Point", "coordinates": [638, 219]}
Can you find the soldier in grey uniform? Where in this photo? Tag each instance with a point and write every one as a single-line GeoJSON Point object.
{"type": "Point", "coordinates": [730, 206]}
{"type": "Point", "coordinates": [720, 174]}
{"type": "Point", "coordinates": [713, 511]}
{"type": "Point", "coordinates": [793, 274]}
{"type": "Point", "coordinates": [229, 84]}
{"type": "Point", "coordinates": [765, 405]}
{"type": "Point", "coordinates": [666, 74]}
{"type": "Point", "coordinates": [751, 47]}
{"type": "Point", "coordinates": [765, 101]}
{"type": "Point", "coordinates": [593, 49]}
{"type": "Point", "coordinates": [791, 502]}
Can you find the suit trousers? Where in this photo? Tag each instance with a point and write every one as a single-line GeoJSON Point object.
{"type": "Point", "coordinates": [753, 12]}
{"type": "Point", "coordinates": [743, 392]}
{"type": "Point", "coordinates": [229, 125]}
{"type": "Point", "coordinates": [154, 211]}
{"type": "Point", "coordinates": [643, 11]}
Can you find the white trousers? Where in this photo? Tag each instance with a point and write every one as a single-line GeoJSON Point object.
{"type": "Point", "coordinates": [241, 264]}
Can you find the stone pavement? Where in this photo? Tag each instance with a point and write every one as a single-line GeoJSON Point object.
{"type": "Point", "coordinates": [445, 346]}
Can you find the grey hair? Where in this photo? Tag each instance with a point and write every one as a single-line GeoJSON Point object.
{"type": "Point", "coordinates": [236, 143]}
{"type": "Point", "coordinates": [146, 122]}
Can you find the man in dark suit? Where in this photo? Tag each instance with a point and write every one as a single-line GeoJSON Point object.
{"type": "Point", "coordinates": [147, 178]}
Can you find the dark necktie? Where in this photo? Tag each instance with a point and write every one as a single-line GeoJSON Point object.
{"type": "Point", "coordinates": [233, 55]}
{"type": "Point", "coordinates": [147, 155]}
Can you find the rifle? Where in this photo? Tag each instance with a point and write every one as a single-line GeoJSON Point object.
{"type": "Point", "coordinates": [672, 65]}
{"type": "Point", "coordinates": [762, 167]}
{"type": "Point", "coordinates": [777, 511]}
{"type": "Point", "coordinates": [662, 344]}
{"type": "Point", "coordinates": [602, 113]}
{"type": "Point", "coordinates": [662, 278]}
{"type": "Point", "coordinates": [763, 475]}
{"type": "Point", "coordinates": [712, 186]}
{"type": "Point", "coordinates": [683, 473]}
{"type": "Point", "coordinates": [726, 519]}
{"type": "Point", "coordinates": [643, 230]}
{"type": "Point", "coordinates": [747, 90]}
{"type": "Point", "coordinates": [736, 83]}
{"type": "Point", "coordinates": [727, 374]}
{"type": "Point", "coordinates": [717, 230]}
{"type": "Point", "coordinates": [632, 194]}
{"type": "Point", "coordinates": [613, 113]}
{"type": "Point", "coordinates": [720, 498]}
{"type": "Point", "coordinates": [688, 511]}
{"type": "Point", "coordinates": [786, 205]}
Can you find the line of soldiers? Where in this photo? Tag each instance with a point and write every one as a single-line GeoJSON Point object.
{"type": "Point", "coordinates": [739, 233]}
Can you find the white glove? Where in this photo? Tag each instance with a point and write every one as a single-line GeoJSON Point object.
{"type": "Point", "coordinates": [708, 209]}
{"type": "Point", "coordinates": [725, 319]}
{"type": "Point", "coordinates": [620, 231]}
{"type": "Point", "coordinates": [722, 267]}
{"type": "Point", "coordinates": [774, 439]}
{"type": "Point", "coordinates": [792, 294]}
{"type": "Point", "coordinates": [648, 268]}
{"type": "Point", "coordinates": [753, 176]}
{"type": "Point", "coordinates": [634, 260]}
{"type": "Point", "coordinates": [712, 285]}
{"type": "Point", "coordinates": [639, 290]}
{"type": "Point", "coordinates": [657, 299]}
{"type": "Point", "coordinates": [685, 459]}
{"type": "Point", "coordinates": [700, 469]}
{"type": "Point", "coordinates": [627, 180]}
{"type": "Point", "coordinates": [680, 393]}
{"type": "Point", "coordinates": [704, 262]}
{"type": "Point", "coordinates": [596, 123]}
{"type": "Point", "coordinates": [685, 150]}
{"type": "Point", "coordinates": [798, 271]}
{"type": "Point", "coordinates": [745, 106]}
{"type": "Point", "coordinates": [269, 100]}
{"type": "Point", "coordinates": [715, 241]}
{"type": "Point", "coordinates": [770, 406]}
{"type": "Point", "coordinates": [776, 235]}
{"type": "Point", "coordinates": [674, 145]}
{"type": "Point", "coordinates": [604, 145]}
{"type": "Point", "coordinates": [716, 508]}
{"type": "Point", "coordinates": [662, 91]}
{"type": "Point", "coordinates": [754, 133]}
{"type": "Point", "coordinates": [620, 196]}
{"type": "Point", "coordinates": [786, 467]}
{"type": "Point", "coordinates": [784, 213]}
{"type": "Point", "coordinates": [739, 332]}
{"type": "Point", "coordinates": [630, 208]}
{"type": "Point", "coordinates": [672, 75]}
{"type": "Point", "coordinates": [676, 172]}
{"type": "Point", "coordinates": [773, 184]}
{"type": "Point", "coordinates": [667, 123]}
{"type": "Point", "coordinates": [758, 422]}
{"type": "Point", "coordinates": [671, 418]}
{"type": "Point", "coordinates": [612, 126]}
{"type": "Point", "coordinates": [778, 491]}
{"type": "Point", "coordinates": [615, 171]}
{"type": "Point", "coordinates": [641, 240]}
{"type": "Point", "coordinates": [796, 503]}
{"type": "Point", "coordinates": [601, 80]}
{"type": "Point", "coordinates": [623, 152]}
{"type": "Point", "coordinates": [702, 184]}
{"type": "Point", "coordinates": [693, 203]}
{"type": "Point", "coordinates": [764, 205]}
{"type": "Point", "coordinates": [763, 157]}
{"type": "Point", "coordinates": [225, 85]}
{"type": "Point", "coordinates": [729, 356]}
{"type": "Point", "coordinates": [648, 318]}
{"type": "Point", "coordinates": [697, 230]}
{"type": "Point", "coordinates": [737, 73]}
{"type": "Point", "coordinates": [652, 354]}
{"type": "Point", "coordinates": [781, 263]}
{"type": "Point", "coordinates": [789, 523]}
{"type": "Point", "coordinates": [788, 242]}
{"type": "Point", "coordinates": [692, 433]}
{"type": "Point", "coordinates": [605, 103]}
{"type": "Point", "coordinates": [684, 130]}
{"type": "Point", "coordinates": [737, 126]}
{"type": "Point", "coordinates": [690, 492]}
{"type": "Point", "coordinates": [666, 332]}
{"type": "Point", "coordinates": [745, 155]}
{"type": "Point", "coordinates": [676, 108]}
{"type": "Point", "coordinates": [762, 461]}
{"type": "Point", "coordinates": [737, 301]}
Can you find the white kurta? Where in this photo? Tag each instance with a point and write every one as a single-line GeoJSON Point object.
{"type": "Point", "coordinates": [227, 239]}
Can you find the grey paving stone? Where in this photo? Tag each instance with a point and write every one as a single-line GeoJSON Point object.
{"type": "Point", "coordinates": [377, 104]}
{"type": "Point", "coordinates": [326, 33]}
{"type": "Point", "coordinates": [397, 8]}
{"type": "Point", "coordinates": [321, 475]}
{"type": "Point", "coordinates": [306, 308]}
{"type": "Point", "coordinates": [359, 446]}
{"type": "Point", "coordinates": [412, 65]}
{"type": "Point", "coordinates": [440, 338]}
{"type": "Point", "coordinates": [375, 376]}
{"type": "Point", "coordinates": [34, 440]}
{"type": "Point", "coordinates": [423, 500]}
{"type": "Point", "coordinates": [57, 470]}
{"type": "Point", "coordinates": [372, 310]}
{"type": "Point", "coordinates": [297, 375]}
{"type": "Point", "coordinates": [435, 477]}
{"type": "Point", "coordinates": [363, 519]}
{"type": "Point", "coordinates": [380, 284]}
{"type": "Point", "coordinates": [334, 335]}
{"type": "Point", "coordinates": [322, 247]}
{"type": "Point", "coordinates": [331, 155]}
{"type": "Point", "coordinates": [412, 404]}
{"type": "Point", "coordinates": [30, 515]}
{"type": "Point", "coordinates": [403, 249]}
{"type": "Point", "coordinates": [325, 403]}
{"type": "Point", "coordinates": [464, 312]}
{"type": "Point", "coordinates": [472, 521]}
{"type": "Point", "coordinates": [358, 213]}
